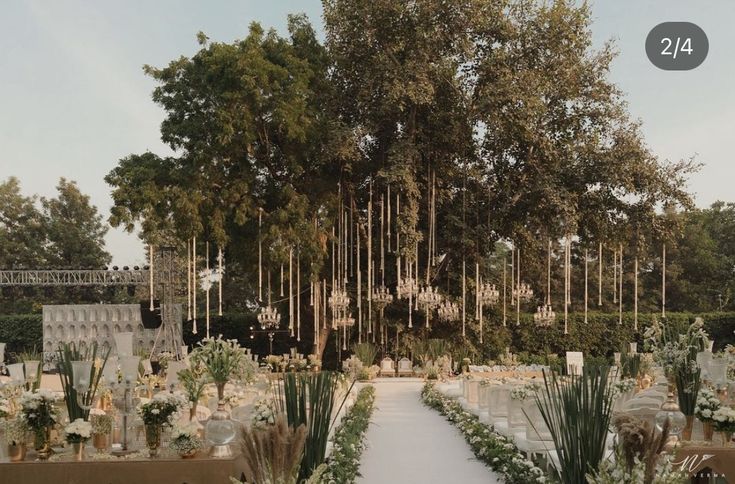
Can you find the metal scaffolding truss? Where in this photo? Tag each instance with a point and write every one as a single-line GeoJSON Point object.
{"type": "Point", "coordinates": [73, 278]}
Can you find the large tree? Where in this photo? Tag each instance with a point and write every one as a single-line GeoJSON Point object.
{"type": "Point", "coordinates": [503, 105]}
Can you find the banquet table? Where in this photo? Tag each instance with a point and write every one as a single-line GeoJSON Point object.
{"type": "Point", "coordinates": [163, 470]}
{"type": "Point", "coordinates": [706, 462]}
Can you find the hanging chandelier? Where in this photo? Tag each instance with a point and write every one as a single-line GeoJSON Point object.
{"type": "Point", "coordinates": [489, 294]}
{"type": "Point", "coordinates": [381, 297]}
{"type": "Point", "coordinates": [429, 297]}
{"type": "Point", "coordinates": [268, 318]}
{"type": "Point", "coordinates": [544, 316]}
{"type": "Point", "coordinates": [407, 287]}
{"type": "Point", "coordinates": [339, 299]}
{"type": "Point", "coordinates": [448, 311]}
{"type": "Point", "coordinates": [523, 292]}
{"type": "Point", "coordinates": [345, 319]}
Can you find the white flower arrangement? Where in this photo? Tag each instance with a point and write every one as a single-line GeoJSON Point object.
{"type": "Point", "coordinates": [223, 359]}
{"type": "Point", "coordinates": [16, 431]}
{"type": "Point", "coordinates": [5, 410]}
{"type": "Point", "coordinates": [314, 360]}
{"type": "Point", "coordinates": [707, 405]}
{"type": "Point", "coordinates": [162, 409]}
{"type": "Point", "coordinates": [78, 431]}
{"type": "Point", "coordinates": [524, 392]}
{"type": "Point", "coordinates": [263, 414]}
{"type": "Point", "coordinates": [724, 419]}
{"type": "Point", "coordinates": [38, 408]}
{"type": "Point", "coordinates": [100, 421]}
{"type": "Point", "coordinates": [185, 439]}
{"type": "Point", "coordinates": [624, 386]}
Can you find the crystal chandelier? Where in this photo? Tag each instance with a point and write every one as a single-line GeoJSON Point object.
{"type": "Point", "coordinates": [429, 297]}
{"type": "Point", "coordinates": [339, 299]}
{"type": "Point", "coordinates": [523, 292]}
{"type": "Point", "coordinates": [381, 297]}
{"type": "Point", "coordinates": [489, 295]}
{"type": "Point", "coordinates": [544, 316]}
{"type": "Point", "coordinates": [448, 311]}
{"type": "Point", "coordinates": [268, 317]}
{"type": "Point", "coordinates": [407, 286]}
{"type": "Point", "coordinates": [345, 319]}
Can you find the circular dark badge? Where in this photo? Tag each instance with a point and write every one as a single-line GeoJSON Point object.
{"type": "Point", "coordinates": [677, 46]}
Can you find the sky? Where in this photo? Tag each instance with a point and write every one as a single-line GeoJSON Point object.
{"type": "Point", "coordinates": [74, 99]}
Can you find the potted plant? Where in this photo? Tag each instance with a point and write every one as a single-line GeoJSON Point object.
{"type": "Point", "coordinates": [16, 436]}
{"type": "Point", "coordinates": [40, 414]}
{"type": "Point", "coordinates": [101, 429]}
{"type": "Point", "coordinates": [156, 413]}
{"type": "Point", "coordinates": [77, 433]}
{"type": "Point", "coordinates": [707, 405]}
{"type": "Point", "coordinates": [724, 421]}
{"type": "Point", "coordinates": [185, 441]}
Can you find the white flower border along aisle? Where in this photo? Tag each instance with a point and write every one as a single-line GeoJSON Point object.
{"type": "Point", "coordinates": [495, 450]}
{"type": "Point", "coordinates": [343, 463]}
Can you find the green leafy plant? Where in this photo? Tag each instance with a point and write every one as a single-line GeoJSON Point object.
{"type": "Point", "coordinates": [577, 410]}
{"type": "Point", "coordinates": [223, 359]}
{"type": "Point", "coordinates": [366, 353]}
{"type": "Point", "coordinates": [69, 352]}
{"type": "Point", "coordinates": [309, 399]}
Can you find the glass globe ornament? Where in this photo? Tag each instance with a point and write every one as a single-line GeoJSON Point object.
{"type": "Point", "coordinates": [220, 432]}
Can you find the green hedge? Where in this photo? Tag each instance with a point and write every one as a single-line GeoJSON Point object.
{"type": "Point", "coordinates": [21, 332]}
{"type": "Point", "coordinates": [602, 335]}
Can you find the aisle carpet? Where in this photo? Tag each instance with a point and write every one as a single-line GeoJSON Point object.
{"type": "Point", "coordinates": [411, 444]}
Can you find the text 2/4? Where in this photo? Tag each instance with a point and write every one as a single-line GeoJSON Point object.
{"type": "Point", "coordinates": [682, 45]}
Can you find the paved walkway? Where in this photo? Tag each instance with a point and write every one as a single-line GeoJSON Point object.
{"type": "Point", "coordinates": [410, 443]}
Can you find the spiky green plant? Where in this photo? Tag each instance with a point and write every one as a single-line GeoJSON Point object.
{"type": "Point", "coordinates": [309, 399]}
{"type": "Point", "coordinates": [365, 352]}
{"type": "Point", "coordinates": [577, 411]}
{"type": "Point", "coordinates": [436, 348]}
{"type": "Point", "coordinates": [69, 352]}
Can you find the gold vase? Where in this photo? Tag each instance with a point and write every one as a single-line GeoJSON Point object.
{"type": "Point", "coordinates": [101, 442]}
{"type": "Point", "coordinates": [686, 433]}
{"type": "Point", "coordinates": [17, 453]}
{"type": "Point", "coordinates": [726, 438]}
{"type": "Point", "coordinates": [153, 440]}
{"type": "Point", "coordinates": [708, 430]}
{"type": "Point", "coordinates": [42, 443]}
{"type": "Point", "coordinates": [77, 451]}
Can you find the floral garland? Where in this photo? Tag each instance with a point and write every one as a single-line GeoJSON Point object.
{"type": "Point", "coordinates": [349, 441]}
{"type": "Point", "coordinates": [495, 450]}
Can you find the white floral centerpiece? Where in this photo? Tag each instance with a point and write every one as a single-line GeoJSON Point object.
{"type": "Point", "coordinates": [724, 419]}
{"type": "Point", "coordinates": [5, 410]}
{"type": "Point", "coordinates": [79, 431]}
{"type": "Point", "coordinates": [524, 392]}
{"type": "Point", "coordinates": [101, 422]}
{"type": "Point", "coordinates": [16, 431]}
{"type": "Point", "coordinates": [38, 410]}
{"type": "Point", "coordinates": [224, 360]}
{"type": "Point", "coordinates": [263, 414]}
{"type": "Point", "coordinates": [624, 386]}
{"type": "Point", "coordinates": [185, 440]}
{"type": "Point", "coordinates": [707, 405]}
{"type": "Point", "coordinates": [161, 410]}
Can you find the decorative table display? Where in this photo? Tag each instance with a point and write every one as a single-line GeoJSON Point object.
{"type": "Point", "coordinates": [185, 440]}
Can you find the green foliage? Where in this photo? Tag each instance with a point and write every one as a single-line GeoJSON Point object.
{"type": "Point", "coordinates": [349, 440]}
{"type": "Point", "coordinates": [366, 353]}
{"type": "Point", "coordinates": [21, 332]}
{"type": "Point", "coordinates": [309, 400]}
{"type": "Point", "coordinates": [577, 412]}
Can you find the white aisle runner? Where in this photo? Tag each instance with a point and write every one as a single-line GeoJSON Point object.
{"type": "Point", "coordinates": [410, 443]}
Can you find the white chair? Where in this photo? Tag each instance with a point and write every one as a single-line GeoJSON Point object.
{"type": "Point", "coordinates": [516, 418]}
{"type": "Point", "coordinates": [405, 367]}
{"type": "Point", "coordinates": [473, 392]}
{"type": "Point", "coordinates": [387, 367]}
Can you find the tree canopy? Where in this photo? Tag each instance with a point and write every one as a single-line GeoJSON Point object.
{"type": "Point", "coordinates": [503, 105]}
